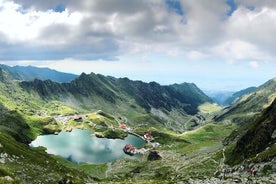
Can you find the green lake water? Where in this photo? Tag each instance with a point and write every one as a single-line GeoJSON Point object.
{"type": "Point", "coordinates": [80, 146]}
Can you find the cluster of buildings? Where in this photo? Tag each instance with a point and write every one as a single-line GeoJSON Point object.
{"type": "Point", "coordinates": [129, 149]}
{"type": "Point", "coordinates": [132, 150]}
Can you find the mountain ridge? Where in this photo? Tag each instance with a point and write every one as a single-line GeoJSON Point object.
{"type": "Point", "coordinates": [235, 96]}
{"type": "Point", "coordinates": [250, 104]}
{"type": "Point", "coordinates": [253, 137]}
{"type": "Point", "coordinates": [95, 91]}
{"type": "Point", "coordinates": [28, 73]}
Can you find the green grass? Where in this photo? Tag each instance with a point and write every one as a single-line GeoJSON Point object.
{"type": "Point", "coordinates": [209, 132]}
{"type": "Point", "coordinates": [71, 124]}
{"type": "Point", "coordinates": [209, 108]}
{"type": "Point", "coordinates": [209, 135]}
{"type": "Point", "coordinates": [115, 134]}
{"type": "Point", "coordinates": [95, 170]}
{"type": "Point", "coordinates": [58, 108]}
{"type": "Point", "coordinates": [102, 119]}
{"type": "Point", "coordinates": [5, 171]}
{"type": "Point", "coordinates": [266, 154]}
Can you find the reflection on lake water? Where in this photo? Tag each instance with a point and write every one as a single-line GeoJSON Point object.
{"type": "Point", "coordinates": [80, 147]}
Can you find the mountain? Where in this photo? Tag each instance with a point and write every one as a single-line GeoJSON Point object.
{"type": "Point", "coordinates": [137, 99]}
{"type": "Point", "coordinates": [28, 73]}
{"type": "Point", "coordinates": [235, 96]}
{"type": "Point", "coordinates": [249, 105]}
{"type": "Point", "coordinates": [219, 96]}
{"type": "Point", "coordinates": [225, 98]}
{"type": "Point", "coordinates": [255, 139]}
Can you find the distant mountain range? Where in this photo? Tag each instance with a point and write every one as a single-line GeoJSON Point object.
{"type": "Point", "coordinates": [226, 98]}
{"type": "Point", "coordinates": [235, 96]}
{"type": "Point", "coordinates": [94, 91]}
{"type": "Point", "coordinates": [250, 104]}
{"type": "Point", "coordinates": [28, 73]}
{"type": "Point", "coordinates": [140, 101]}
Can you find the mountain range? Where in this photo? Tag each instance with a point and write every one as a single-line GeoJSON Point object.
{"type": "Point", "coordinates": [173, 103]}
{"type": "Point", "coordinates": [225, 98]}
{"type": "Point", "coordinates": [28, 73]}
{"type": "Point", "coordinates": [199, 140]}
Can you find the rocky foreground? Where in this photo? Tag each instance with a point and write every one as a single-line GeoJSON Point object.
{"type": "Point", "coordinates": [264, 172]}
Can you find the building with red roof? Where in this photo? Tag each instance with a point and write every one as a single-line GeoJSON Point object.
{"type": "Point", "coordinates": [123, 126]}
{"type": "Point", "coordinates": [148, 136]}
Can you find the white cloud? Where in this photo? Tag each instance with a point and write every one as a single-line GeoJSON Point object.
{"type": "Point", "coordinates": [256, 27]}
{"type": "Point", "coordinates": [107, 29]}
{"type": "Point", "coordinates": [204, 22]}
{"type": "Point", "coordinates": [21, 26]}
{"type": "Point", "coordinates": [196, 55]}
{"type": "Point", "coordinates": [96, 35]}
{"type": "Point", "coordinates": [253, 64]}
{"type": "Point", "coordinates": [237, 50]}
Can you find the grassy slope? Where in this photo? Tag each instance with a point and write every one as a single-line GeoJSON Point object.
{"type": "Point", "coordinates": [250, 105]}
{"type": "Point", "coordinates": [23, 117]}
{"type": "Point", "coordinates": [180, 159]}
{"type": "Point", "coordinates": [27, 164]}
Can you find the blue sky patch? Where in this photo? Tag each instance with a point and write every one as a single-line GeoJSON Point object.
{"type": "Point", "coordinates": [22, 9]}
{"type": "Point", "coordinates": [232, 5]}
{"type": "Point", "coordinates": [251, 8]}
{"type": "Point", "coordinates": [59, 8]}
{"type": "Point", "coordinates": [175, 6]}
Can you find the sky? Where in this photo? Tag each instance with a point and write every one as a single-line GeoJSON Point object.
{"type": "Point", "coordinates": [216, 44]}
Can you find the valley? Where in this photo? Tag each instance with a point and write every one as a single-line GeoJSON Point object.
{"type": "Point", "coordinates": [198, 141]}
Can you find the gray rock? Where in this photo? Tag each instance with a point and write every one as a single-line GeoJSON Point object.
{"type": "Point", "coordinates": [7, 178]}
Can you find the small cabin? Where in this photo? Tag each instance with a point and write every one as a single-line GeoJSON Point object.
{"type": "Point", "coordinates": [123, 126]}
{"type": "Point", "coordinates": [148, 136]}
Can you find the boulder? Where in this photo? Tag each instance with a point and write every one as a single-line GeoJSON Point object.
{"type": "Point", "coordinates": [153, 155]}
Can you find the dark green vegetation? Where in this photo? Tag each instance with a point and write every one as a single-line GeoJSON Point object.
{"type": "Point", "coordinates": [253, 138]}
{"type": "Point", "coordinates": [28, 109]}
{"type": "Point", "coordinates": [254, 113]}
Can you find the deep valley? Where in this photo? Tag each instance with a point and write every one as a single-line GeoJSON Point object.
{"type": "Point", "coordinates": [188, 138]}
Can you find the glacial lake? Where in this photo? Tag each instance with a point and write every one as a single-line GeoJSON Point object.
{"type": "Point", "coordinates": [80, 146]}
